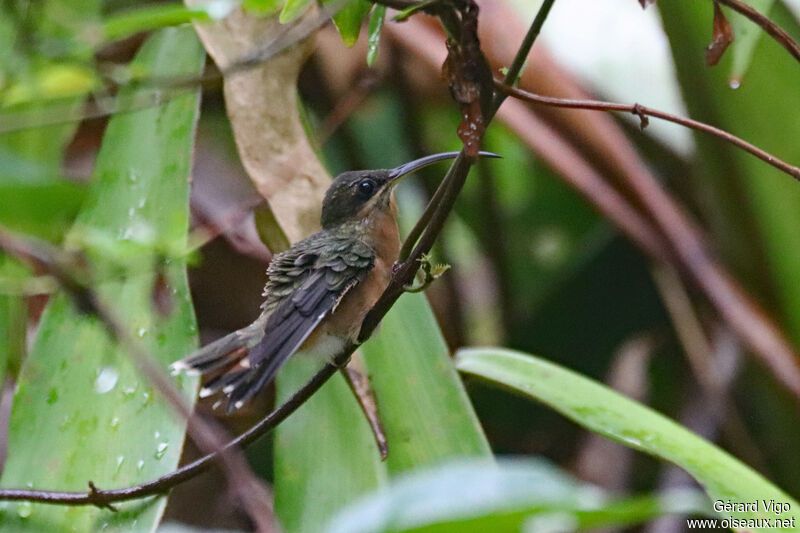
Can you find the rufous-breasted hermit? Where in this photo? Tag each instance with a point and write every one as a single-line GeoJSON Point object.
{"type": "Point", "coordinates": [319, 290]}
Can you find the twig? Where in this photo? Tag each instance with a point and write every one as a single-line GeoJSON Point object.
{"type": "Point", "coordinates": [643, 111]}
{"type": "Point", "coordinates": [774, 31]}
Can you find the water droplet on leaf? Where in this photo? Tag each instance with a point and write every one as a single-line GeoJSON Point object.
{"type": "Point", "coordinates": [161, 450]}
{"type": "Point", "coordinates": [25, 509]}
{"type": "Point", "coordinates": [106, 379]}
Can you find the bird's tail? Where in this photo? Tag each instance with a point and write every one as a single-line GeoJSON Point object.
{"type": "Point", "coordinates": [222, 356]}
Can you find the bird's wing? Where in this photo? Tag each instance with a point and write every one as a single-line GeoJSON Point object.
{"type": "Point", "coordinates": [305, 286]}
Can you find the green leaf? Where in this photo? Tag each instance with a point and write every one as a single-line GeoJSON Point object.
{"type": "Point", "coordinates": [404, 14]}
{"type": "Point", "coordinates": [50, 81]}
{"type": "Point", "coordinates": [375, 26]}
{"type": "Point", "coordinates": [604, 411]}
{"type": "Point", "coordinates": [502, 498]}
{"type": "Point", "coordinates": [746, 36]}
{"type": "Point", "coordinates": [43, 209]}
{"type": "Point", "coordinates": [81, 410]}
{"type": "Point", "coordinates": [348, 20]}
{"type": "Point", "coordinates": [262, 7]}
{"type": "Point", "coordinates": [148, 18]}
{"type": "Point", "coordinates": [35, 200]}
{"type": "Point", "coordinates": [13, 320]}
{"type": "Point", "coordinates": [425, 410]}
{"type": "Point", "coordinates": [292, 9]}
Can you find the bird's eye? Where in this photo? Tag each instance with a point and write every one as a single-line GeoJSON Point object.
{"type": "Point", "coordinates": [366, 188]}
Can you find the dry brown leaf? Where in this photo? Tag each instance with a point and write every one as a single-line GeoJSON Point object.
{"type": "Point", "coordinates": [262, 106]}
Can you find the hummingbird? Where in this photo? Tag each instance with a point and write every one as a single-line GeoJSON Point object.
{"type": "Point", "coordinates": [319, 290]}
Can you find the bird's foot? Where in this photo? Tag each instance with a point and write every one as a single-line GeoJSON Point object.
{"type": "Point", "coordinates": [428, 273]}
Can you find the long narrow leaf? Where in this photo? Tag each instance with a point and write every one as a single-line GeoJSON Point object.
{"type": "Point", "coordinates": [610, 414]}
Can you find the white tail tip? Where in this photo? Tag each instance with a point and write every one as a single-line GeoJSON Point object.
{"type": "Point", "coordinates": [180, 367]}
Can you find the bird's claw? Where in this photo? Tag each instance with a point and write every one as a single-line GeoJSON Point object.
{"type": "Point", "coordinates": [428, 273]}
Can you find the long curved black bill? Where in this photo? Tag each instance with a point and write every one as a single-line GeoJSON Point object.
{"type": "Point", "coordinates": [408, 168]}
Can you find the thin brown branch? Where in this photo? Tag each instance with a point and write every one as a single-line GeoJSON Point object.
{"type": "Point", "coordinates": [643, 111]}
{"type": "Point", "coordinates": [688, 327]}
{"type": "Point", "coordinates": [774, 31]}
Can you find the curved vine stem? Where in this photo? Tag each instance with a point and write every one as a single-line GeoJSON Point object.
{"type": "Point", "coordinates": [644, 111]}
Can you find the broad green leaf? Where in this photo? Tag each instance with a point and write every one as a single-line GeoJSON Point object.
{"type": "Point", "coordinates": [502, 498]}
{"type": "Point", "coordinates": [262, 7]}
{"type": "Point", "coordinates": [422, 403]}
{"type": "Point", "coordinates": [325, 455]}
{"type": "Point", "coordinates": [604, 411]}
{"type": "Point", "coordinates": [148, 18]}
{"type": "Point", "coordinates": [81, 410]}
{"type": "Point", "coordinates": [374, 38]}
{"type": "Point", "coordinates": [292, 9]}
{"type": "Point", "coordinates": [348, 20]}
{"type": "Point", "coordinates": [746, 36]}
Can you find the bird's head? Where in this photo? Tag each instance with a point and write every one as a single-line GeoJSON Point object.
{"type": "Point", "coordinates": [354, 195]}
